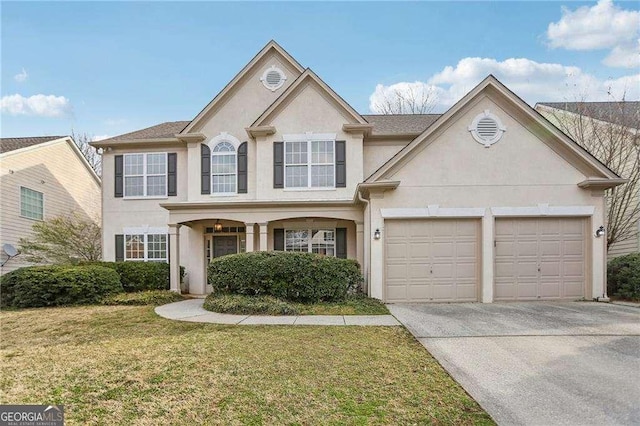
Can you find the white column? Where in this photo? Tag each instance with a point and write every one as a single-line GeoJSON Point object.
{"type": "Point", "coordinates": [263, 237]}
{"type": "Point", "coordinates": [249, 236]}
{"type": "Point", "coordinates": [174, 257]}
{"type": "Point", "coordinates": [488, 238]}
{"type": "Point", "coordinates": [599, 250]}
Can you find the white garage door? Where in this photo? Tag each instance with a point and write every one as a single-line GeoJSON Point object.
{"type": "Point", "coordinates": [540, 259]}
{"type": "Point", "coordinates": [431, 260]}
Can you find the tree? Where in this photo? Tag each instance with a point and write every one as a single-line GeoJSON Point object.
{"type": "Point", "coordinates": [90, 153]}
{"type": "Point", "coordinates": [63, 239]}
{"type": "Point", "coordinates": [611, 132]}
{"type": "Point", "coordinates": [404, 98]}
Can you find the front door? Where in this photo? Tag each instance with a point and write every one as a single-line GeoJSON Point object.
{"type": "Point", "coordinates": [225, 245]}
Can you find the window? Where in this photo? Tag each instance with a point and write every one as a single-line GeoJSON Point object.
{"type": "Point", "coordinates": [145, 175]}
{"type": "Point", "coordinates": [31, 204]}
{"type": "Point", "coordinates": [310, 164]}
{"type": "Point", "coordinates": [145, 247]}
{"type": "Point", "coordinates": [320, 241]}
{"type": "Point", "coordinates": [223, 169]}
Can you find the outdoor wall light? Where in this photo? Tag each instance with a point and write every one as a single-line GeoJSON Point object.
{"type": "Point", "coordinates": [217, 227]}
{"type": "Point", "coordinates": [600, 232]}
{"type": "Point", "coordinates": [376, 234]}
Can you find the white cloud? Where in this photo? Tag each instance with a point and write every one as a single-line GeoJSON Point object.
{"type": "Point", "coordinates": [533, 81]}
{"type": "Point", "coordinates": [22, 76]}
{"type": "Point", "coordinates": [603, 26]}
{"type": "Point", "coordinates": [100, 138]}
{"type": "Point", "coordinates": [36, 105]}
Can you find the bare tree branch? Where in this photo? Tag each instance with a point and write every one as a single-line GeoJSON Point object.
{"type": "Point", "coordinates": [408, 100]}
{"type": "Point", "coordinates": [90, 153]}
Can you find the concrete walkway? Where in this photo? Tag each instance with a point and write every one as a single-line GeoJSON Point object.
{"type": "Point", "coordinates": [191, 310]}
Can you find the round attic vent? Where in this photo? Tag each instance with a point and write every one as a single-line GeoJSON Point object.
{"type": "Point", "coordinates": [487, 129]}
{"type": "Point", "coordinates": [273, 78]}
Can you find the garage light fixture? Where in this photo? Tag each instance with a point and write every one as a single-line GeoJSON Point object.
{"type": "Point", "coordinates": [376, 234]}
{"type": "Point", "coordinates": [600, 232]}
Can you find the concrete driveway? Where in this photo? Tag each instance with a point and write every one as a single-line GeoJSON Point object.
{"type": "Point", "coordinates": [536, 363]}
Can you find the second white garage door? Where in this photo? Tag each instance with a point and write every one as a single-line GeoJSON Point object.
{"type": "Point", "coordinates": [434, 260]}
{"type": "Point", "coordinates": [540, 259]}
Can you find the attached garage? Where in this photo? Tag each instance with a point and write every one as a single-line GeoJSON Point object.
{"type": "Point", "coordinates": [540, 259]}
{"type": "Point", "coordinates": [432, 260]}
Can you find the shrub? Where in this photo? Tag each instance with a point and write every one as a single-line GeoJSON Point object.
{"type": "Point", "coordinates": [298, 277]}
{"type": "Point", "coordinates": [37, 286]}
{"type": "Point", "coordinates": [623, 277]}
{"type": "Point", "coordinates": [149, 297]}
{"type": "Point", "coordinates": [141, 276]}
{"type": "Point", "coordinates": [245, 305]}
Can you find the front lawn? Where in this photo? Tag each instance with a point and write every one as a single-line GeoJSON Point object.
{"type": "Point", "coordinates": [125, 365]}
{"type": "Point", "coordinates": [269, 305]}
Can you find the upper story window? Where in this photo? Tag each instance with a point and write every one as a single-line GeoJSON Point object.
{"type": "Point", "coordinates": [31, 204]}
{"type": "Point", "coordinates": [145, 175]}
{"type": "Point", "coordinates": [310, 163]}
{"type": "Point", "coordinates": [223, 168]}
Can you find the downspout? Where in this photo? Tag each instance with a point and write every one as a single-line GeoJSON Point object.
{"type": "Point", "coordinates": [366, 248]}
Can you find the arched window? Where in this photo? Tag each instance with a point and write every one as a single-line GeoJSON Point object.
{"type": "Point", "coordinates": [223, 169]}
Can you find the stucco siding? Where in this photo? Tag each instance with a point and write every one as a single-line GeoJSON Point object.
{"type": "Point", "coordinates": [59, 174]}
{"type": "Point", "coordinates": [376, 153]}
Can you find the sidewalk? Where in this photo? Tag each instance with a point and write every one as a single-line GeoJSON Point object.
{"type": "Point", "coordinates": [191, 310]}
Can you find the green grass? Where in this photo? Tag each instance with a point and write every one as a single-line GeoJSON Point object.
{"type": "Point", "coordinates": [125, 365]}
{"type": "Point", "coordinates": [149, 297]}
{"type": "Point", "coordinates": [269, 305]}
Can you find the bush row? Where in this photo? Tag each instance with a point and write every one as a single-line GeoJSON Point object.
{"type": "Point", "coordinates": [141, 276]}
{"type": "Point", "coordinates": [298, 277]}
{"type": "Point", "coordinates": [623, 277]}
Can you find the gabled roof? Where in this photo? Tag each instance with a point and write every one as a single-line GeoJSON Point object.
{"type": "Point", "coordinates": [162, 130]}
{"type": "Point", "coordinates": [626, 113]}
{"type": "Point", "coordinates": [295, 87]}
{"type": "Point", "coordinates": [11, 144]}
{"type": "Point", "coordinates": [569, 149]}
{"type": "Point", "coordinates": [400, 124]}
{"type": "Point", "coordinates": [271, 46]}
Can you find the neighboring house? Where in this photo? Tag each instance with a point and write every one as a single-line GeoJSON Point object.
{"type": "Point", "coordinates": [488, 201]}
{"type": "Point", "coordinates": [40, 178]}
{"type": "Point", "coordinates": [610, 119]}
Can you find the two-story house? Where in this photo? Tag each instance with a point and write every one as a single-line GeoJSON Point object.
{"type": "Point", "coordinates": [488, 201]}
{"type": "Point", "coordinates": [40, 178]}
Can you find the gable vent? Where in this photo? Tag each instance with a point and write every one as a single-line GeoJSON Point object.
{"type": "Point", "coordinates": [273, 78]}
{"type": "Point", "coordinates": [487, 129]}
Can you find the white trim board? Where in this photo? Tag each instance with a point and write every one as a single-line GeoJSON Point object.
{"type": "Point", "coordinates": [543, 210]}
{"type": "Point", "coordinates": [432, 211]}
{"type": "Point", "coordinates": [146, 230]}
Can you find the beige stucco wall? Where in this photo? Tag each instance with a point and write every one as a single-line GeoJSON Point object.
{"type": "Point", "coordinates": [454, 171]}
{"type": "Point", "coordinates": [377, 152]}
{"type": "Point", "coordinates": [56, 171]}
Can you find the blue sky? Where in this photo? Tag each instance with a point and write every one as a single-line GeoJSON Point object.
{"type": "Point", "coordinates": [109, 68]}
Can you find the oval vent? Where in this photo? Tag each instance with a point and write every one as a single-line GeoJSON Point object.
{"type": "Point", "coordinates": [487, 129]}
{"type": "Point", "coordinates": [273, 78]}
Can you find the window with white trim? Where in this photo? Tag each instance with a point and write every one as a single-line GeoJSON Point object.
{"type": "Point", "coordinates": [145, 175]}
{"type": "Point", "coordinates": [145, 247]}
{"type": "Point", "coordinates": [310, 164]}
{"type": "Point", "coordinates": [31, 204]}
{"type": "Point", "coordinates": [319, 241]}
{"type": "Point", "coordinates": [224, 163]}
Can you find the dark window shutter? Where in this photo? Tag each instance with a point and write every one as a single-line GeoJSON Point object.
{"type": "Point", "coordinates": [172, 174]}
{"type": "Point", "coordinates": [119, 247]}
{"type": "Point", "coordinates": [341, 243]}
{"type": "Point", "coordinates": [278, 239]}
{"type": "Point", "coordinates": [341, 164]}
{"type": "Point", "coordinates": [205, 169]}
{"type": "Point", "coordinates": [242, 168]}
{"type": "Point", "coordinates": [119, 176]}
{"type": "Point", "coordinates": [278, 165]}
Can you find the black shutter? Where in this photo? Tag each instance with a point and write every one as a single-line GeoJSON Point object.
{"type": "Point", "coordinates": [278, 239]}
{"type": "Point", "coordinates": [172, 174]}
{"type": "Point", "coordinates": [119, 177]}
{"type": "Point", "coordinates": [278, 165]}
{"type": "Point", "coordinates": [119, 247]}
{"type": "Point", "coordinates": [205, 169]}
{"type": "Point", "coordinates": [341, 164]}
{"type": "Point", "coordinates": [242, 168]}
{"type": "Point", "coordinates": [341, 243]}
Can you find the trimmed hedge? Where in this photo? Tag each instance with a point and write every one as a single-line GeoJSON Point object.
{"type": "Point", "coordinates": [141, 276]}
{"type": "Point", "coordinates": [37, 286]}
{"type": "Point", "coordinates": [248, 305]}
{"type": "Point", "coordinates": [298, 277]}
{"type": "Point", "coordinates": [149, 297]}
{"type": "Point", "coordinates": [623, 277]}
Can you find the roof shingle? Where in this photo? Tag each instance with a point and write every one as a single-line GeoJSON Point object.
{"type": "Point", "coordinates": [625, 113]}
{"type": "Point", "coordinates": [162, 130]}
{"type": "Point", "coordinates": [12, 144]}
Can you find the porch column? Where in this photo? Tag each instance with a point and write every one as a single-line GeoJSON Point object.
{"type": "Point", "coordinates": [263, 236]}
{"type": "Point", "coordinates": [174, 257]}
{"type": "Point", "coordinates": [360, 244]}
{"type": "Point", "coordinates": [249, 236]}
